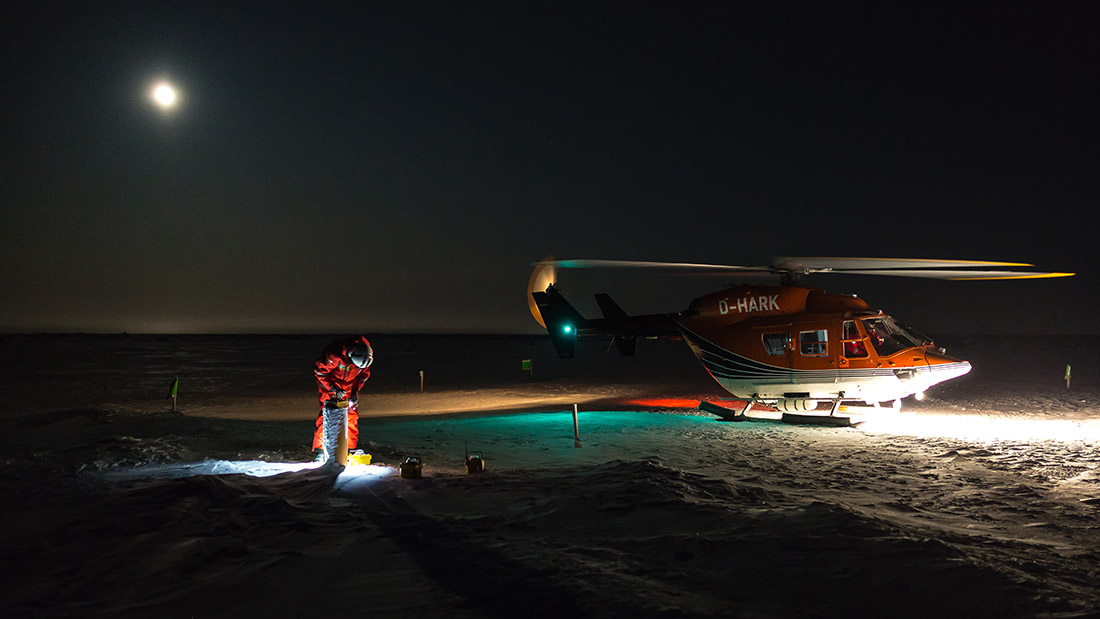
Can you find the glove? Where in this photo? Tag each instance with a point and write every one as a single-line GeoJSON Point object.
{"type": "Point", "coordinates": [341, 394]}
{"type": "Point", "coordinates": [331, 405]}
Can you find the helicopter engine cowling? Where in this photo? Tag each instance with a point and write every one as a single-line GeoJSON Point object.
{"type": "Point", "coordinates": [796, 405]}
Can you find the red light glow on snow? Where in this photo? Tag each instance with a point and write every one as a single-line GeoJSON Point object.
{"type": "Point", "coordinates": [663, 403]}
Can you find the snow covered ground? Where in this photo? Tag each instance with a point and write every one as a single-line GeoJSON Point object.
{"type": "Point", "coordinates": [981, 501]}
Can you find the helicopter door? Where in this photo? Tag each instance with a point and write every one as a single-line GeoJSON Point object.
{"type": "Point", "coordinates": [814, 351]}
{"type": "Point", "coordinates": [779, 344]}
{"type": "Point", "coordinates": [852, 344]}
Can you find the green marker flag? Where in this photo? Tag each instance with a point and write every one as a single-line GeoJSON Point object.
{"type": "Point", "coordinates": [173, 391]}
{"type": "Point", "coordinates": [1067, 376]}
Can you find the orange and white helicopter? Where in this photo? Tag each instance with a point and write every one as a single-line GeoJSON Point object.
{"type": "Point", "coordinates": [789, 347]}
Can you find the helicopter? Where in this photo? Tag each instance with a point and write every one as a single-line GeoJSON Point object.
{"type": "Point", "coordinates": [790, 347]}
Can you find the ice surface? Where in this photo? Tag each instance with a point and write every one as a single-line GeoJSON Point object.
{"type": "Point", "coordinates": [980, 501]}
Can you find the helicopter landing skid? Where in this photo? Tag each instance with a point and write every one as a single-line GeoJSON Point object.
{"type": "Point", "coordinates": [728, 414]}
{"type": "Point", "coordinates": [838, 421]}
{"type": "Point", "coordinates": [725, 414]}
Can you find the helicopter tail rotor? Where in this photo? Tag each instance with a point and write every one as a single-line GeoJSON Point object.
{"type": "Point", "coordinates": [542, 277]}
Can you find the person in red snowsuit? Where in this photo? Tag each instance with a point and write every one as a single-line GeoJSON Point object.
{"type": "Point", "coordinates": [341, 371]}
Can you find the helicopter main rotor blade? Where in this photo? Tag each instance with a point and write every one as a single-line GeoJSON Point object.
{"type": "Point", "coordinates": [660, 266]}
{"type": "Point", "coordinates": [954, 274]}
{"type": "Point", "coordinates": [791, 268]}
{"type": "Point", "coordinates": [958, 270]}
{"type": "Point", "coordinates": [844, 264]}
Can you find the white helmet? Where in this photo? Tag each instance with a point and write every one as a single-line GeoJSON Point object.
{"type": "Point", "coordinates": [362, 355]}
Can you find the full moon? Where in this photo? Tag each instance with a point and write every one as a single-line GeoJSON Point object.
{"type": "Point", "coordinates": [164, 95]}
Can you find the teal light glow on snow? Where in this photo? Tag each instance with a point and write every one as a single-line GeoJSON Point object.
{"type": "Point", "coordinates": [537, 439]}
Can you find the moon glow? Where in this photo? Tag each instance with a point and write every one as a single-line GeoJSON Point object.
{"type": "Point", "coordinates": [164, 95]}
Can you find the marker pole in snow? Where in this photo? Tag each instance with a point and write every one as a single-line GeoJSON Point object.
{"type": "Point", "coordinates": [1067, 376]}
{"type": "Point", "coordinates": [576, 429]}
{"type": "Point", "coordinates": [174, 392]}
{"type": "Point", "coordinates": [421, 381]}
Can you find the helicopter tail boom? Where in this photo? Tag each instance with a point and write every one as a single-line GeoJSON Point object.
{"type": "Point", "coordinates": [565, 324]}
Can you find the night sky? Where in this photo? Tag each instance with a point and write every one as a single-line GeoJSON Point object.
{"type": "Point", "coordinates": [397, 166]}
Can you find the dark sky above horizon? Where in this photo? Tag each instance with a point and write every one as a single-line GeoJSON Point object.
{"type": "Point", "coordinates": [397, 166]}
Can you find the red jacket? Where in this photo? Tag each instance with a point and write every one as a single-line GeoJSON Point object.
{"type": "Point", "coordinates": [335, 372]}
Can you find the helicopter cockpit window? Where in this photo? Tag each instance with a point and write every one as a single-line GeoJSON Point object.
{"type": "Point", "coordinates": [916, 335]}
{"type": "Point", "coordinates": [814, 343]}
{"type": "Point", "coordinates": [888, 337]}
{"type": "Point", "coordinates": [775, 344]}
{"type": "Point", "coordinates": [854, 348]}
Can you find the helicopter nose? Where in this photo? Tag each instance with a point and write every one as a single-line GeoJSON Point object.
{"type": "Point", "coordinates": [945, 367]}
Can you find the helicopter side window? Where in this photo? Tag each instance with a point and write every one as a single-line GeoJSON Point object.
{"type": "Point", "coordinates": [775, 344]}
{"type": "Point", "coordinates": [814, 343]}
{"type": "Point", "coordinates": [854, 348]}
